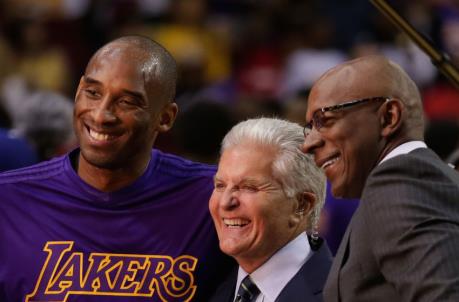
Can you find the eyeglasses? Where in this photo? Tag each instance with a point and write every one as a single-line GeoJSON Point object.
{"type": "Point", "coordinates": [318, 117]}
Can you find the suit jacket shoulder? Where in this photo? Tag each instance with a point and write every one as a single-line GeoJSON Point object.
{"type": "Point", "coordinates": [403, 240]}
{"type": "Point", "coordinates": [421, 163]}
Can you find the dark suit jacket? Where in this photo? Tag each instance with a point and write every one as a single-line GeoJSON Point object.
{"type": "Point", "coordinates": [402, 243]}
{"type": "Point", "coordinates": [306, 285]}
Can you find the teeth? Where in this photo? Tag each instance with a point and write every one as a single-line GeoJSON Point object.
{"type": "Point", "coordinates": [236, 222]}
{"type": "Point", "coordinates": [98, 136]}
{"type": "Point", "coordinates": [329, 162]}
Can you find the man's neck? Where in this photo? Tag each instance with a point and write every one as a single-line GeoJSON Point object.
{"type": "Point", "coordinates": [250, 264]}
{"type": "Point", "coordinates": [391, 145]}
{"type": "Point", "coordinates": [108, 180]}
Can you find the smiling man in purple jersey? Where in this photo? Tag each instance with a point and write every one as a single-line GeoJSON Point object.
{"type": "Point", "coordinates": [114, 220]}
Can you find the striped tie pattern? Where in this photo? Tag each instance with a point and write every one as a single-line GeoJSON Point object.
{"type": "Point", "coordinates": [248, 291]}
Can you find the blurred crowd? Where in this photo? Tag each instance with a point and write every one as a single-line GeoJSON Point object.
{"type": "Point", "coordinates": [237, 59]}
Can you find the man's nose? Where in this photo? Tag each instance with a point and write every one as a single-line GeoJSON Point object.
{"type": "Point", "coordinates": [230, 199]}
{"type": "Point", "coordinates": [105, 112]}
{"type": "Point", "coordinates": [312, 141]}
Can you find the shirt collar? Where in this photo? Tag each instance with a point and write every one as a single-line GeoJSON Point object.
{"type": "Point", "coordinates": [404, 149]}
{"type": "Point", "coordinates": [275, 273]}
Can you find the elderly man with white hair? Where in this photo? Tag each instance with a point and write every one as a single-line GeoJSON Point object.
{"type": "Point", "coordinates": [265, 206]}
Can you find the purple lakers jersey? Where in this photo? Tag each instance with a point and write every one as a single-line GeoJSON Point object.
{"type": "Point", "coordinates": [62, 240]}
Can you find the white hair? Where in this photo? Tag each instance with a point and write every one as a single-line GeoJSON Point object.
{"type": "Point", "coordinates": [296, 171]}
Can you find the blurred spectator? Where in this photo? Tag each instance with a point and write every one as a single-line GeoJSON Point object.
{"type": "Point", "coordinates": [313, 50]}
{"type": "Point", "coordinates": [14, 90]}
{"type": "Point", "coordinates": [246, 108]}
{"type": "Point", "coordinates": [41, 63]}
{"type": "Point", "coordinates": [260, 74]}
{"type": "Point", "coordinates": [201, 128]}
{"type": "Point", "coordinates": [295, 108]}
{"type": "Point", "coordinates": [7, 61]}
{"type": "Point", "coordinates": [258, 55]}
{"type": "Point", "coordinates": [449, 29]}
{"type": "Point", "coordinates": [199, 51]}
{"type": "Point", "coordinates": [45, 120]}
{"type": "Point", "coordinates": [382, 37]}
{"type": "Point", "coordinates": [304, 67]}
{"type": "Point", "coordinates": [15, 152]}
{"type": "Point", "coordinates": [441, 99]}
{"type": "Point", "coordinates": [153, 8]}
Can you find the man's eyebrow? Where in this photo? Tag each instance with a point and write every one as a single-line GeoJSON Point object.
{"type": "Point", "coordinates": [135, 94]}
{"type": "Point", "coordinates": [90, 80]}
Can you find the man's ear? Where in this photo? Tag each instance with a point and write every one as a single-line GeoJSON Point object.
{"type": "Point", "coordinates": [391, 117]}
{"type": "Point", "coordinates": [307, 202]}
{"type": "Point", "coordinates": [304, 205]}
{"type": "Point", "coordinates": [167, 117]}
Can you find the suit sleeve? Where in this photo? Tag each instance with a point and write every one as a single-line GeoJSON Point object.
{"type": "Point", "coordinates": [412, 215]}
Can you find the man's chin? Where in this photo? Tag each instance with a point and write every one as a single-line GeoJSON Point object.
{"type": "Point", "coordinates": [231, 249]}
{"type": "Point", "coordinates": [336, 190]}
{"type": "Point", "coordinates": [100, 161]}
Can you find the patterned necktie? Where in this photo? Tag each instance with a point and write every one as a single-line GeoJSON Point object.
{"type": "Point", "coordinates": [248, 291]}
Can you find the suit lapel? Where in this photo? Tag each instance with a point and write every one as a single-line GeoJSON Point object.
{"type": "Point", "coordinates": [331, 290]}
{"type": "Point", "coordinates": [307, 284]}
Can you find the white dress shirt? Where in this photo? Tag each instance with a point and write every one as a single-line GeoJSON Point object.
{"type": "Point", "coordinates": [404, 149]}
{"type": "Point", "coordinates": [275, 273]}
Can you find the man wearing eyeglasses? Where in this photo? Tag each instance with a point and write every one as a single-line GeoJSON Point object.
{"type": "Point", "coordinates": [365, 129]}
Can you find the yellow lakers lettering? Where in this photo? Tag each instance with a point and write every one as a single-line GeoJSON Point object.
{"type": "Point", "coordinates": [67, 272]}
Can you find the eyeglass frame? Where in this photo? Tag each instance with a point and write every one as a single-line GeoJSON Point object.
{"type": "Point", "coordinates": [337, 107]}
